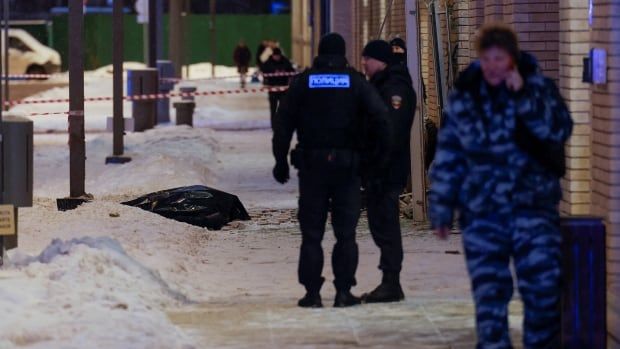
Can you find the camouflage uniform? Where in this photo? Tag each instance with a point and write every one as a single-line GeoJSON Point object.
{"type": "Point", "coordinates": [507, 201]}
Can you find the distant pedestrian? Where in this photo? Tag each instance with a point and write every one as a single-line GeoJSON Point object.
{"type": "Point", "coordinates": [498, 163]}
{"type": "Point", "coordinates": [242, 57]}
{"type": "Point", "coordinates": [276, 71]}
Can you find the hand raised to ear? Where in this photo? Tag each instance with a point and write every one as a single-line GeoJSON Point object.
{"type": "Point", "coordinates": [514, 81]}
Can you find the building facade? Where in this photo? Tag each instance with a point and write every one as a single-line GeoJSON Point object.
{"type": "Point", "coordinates": [560, 33]}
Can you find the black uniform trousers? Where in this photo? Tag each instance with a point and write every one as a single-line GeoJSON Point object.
{"type": "Point", "coordinates": [321, 188]}
{"type": "Point", "coordinates": [275, 98]}
{"type": "Point", "coordinates": [384, 223]}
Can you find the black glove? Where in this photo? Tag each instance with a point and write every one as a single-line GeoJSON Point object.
{"type": "Point", "coordinates": [281, 172]}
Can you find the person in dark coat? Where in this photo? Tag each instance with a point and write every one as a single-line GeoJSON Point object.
{"type": "Point", "coordinates": [242, 57]}
{"type": "Point", "coordinates": [393, 82]}
{"type": "Point", "coordinates": [276, 64]}
{"type": "Point", "coordinates": [328, 106]}
{"type": "Point", "coordinates": [505, 191]}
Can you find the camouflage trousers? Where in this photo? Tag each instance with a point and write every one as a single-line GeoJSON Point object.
{"type": "Point", "coordinates": [532, 238]}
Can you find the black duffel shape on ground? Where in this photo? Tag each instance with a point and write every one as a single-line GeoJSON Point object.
{"type": "Point", "coordinates": [197, 205]}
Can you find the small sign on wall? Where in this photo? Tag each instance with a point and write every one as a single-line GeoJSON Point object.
{"type": "Point", "coordinates": [598, 58]}
{"type": "Point", "coordinates": [7, 220]}
{"type": "Point", "coordinates": [595, 67]}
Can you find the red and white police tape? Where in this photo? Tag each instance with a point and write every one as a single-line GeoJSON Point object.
{"type": "Point", "coordinates": [47, 76]}
{"type": "Point", "coordinates": [32, 76]}
{"type": "Point", "coordinates": [146, 97]}
{"type": "Point", "coordinates": [269, 75]}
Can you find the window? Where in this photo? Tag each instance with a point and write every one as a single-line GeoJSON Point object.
{"type": "Point", "coordinates": [17, 44]}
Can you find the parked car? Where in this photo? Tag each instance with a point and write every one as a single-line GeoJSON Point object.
{"type": "Point", "coordinates": [28, 56]}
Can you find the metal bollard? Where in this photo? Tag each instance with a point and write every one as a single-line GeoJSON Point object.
{"type": "Point", "coordinates": [143, 82]}
{"type": "Point", "coordinates": [185, 112]}
{"type": "Point", "coordinates": [17, 168]}
{"type": "Point", "coordinates": [166, 84]}
{"type": "Point", "coordinates": [187, 89]}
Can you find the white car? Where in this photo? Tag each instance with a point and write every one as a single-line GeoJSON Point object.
{"type": "Point", "coordinates": [28, 56]}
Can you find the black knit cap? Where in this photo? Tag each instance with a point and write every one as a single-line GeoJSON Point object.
{"type": "Point", "coordinates": [399, 42]}
{"type": "Point", "coordinates": [332, 44]}
{"type": "Point", "coordinates": [379, 50]}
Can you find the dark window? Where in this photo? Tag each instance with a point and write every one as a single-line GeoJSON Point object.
{"type": "Point", "coordinates": [17, 44]}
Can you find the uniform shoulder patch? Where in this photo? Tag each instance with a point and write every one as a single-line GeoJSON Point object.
{"type": "Point", "coordinates": [329, 81]}
{"type": "Point", "coordinates": [397, 102]}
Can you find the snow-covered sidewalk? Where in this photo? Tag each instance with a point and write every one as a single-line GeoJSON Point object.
{"type": "Point", "coordinates": [112, 276]}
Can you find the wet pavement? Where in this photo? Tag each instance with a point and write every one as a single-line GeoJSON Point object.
{"type": "Point", "coordinates": [271, 323]}
{"type": "Point", "coordinates": [250, 297]}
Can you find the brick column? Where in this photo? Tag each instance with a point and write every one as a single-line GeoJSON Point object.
{"type": "Point", "coordinates": [476, 13]}
{"type": "Point", "coordinates": [606, 153]}
{"type": "Point", "coordinates": [574, 45]}
{"type": "Point", "coordinates": [397, 25]}
{"type": "Point", "coordinates": [428, 64]}
{"type": "Point", "coordinates": [343, 23]}
{"type": "Point", "coordinates": [466, 28]}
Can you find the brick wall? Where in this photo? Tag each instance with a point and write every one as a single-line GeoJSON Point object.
{"type": "Point", "coordinates": [537, 24]}
{"type": "Point", "coordinates": [493, 10]}
{"type": "Point", "coordinates": [397, 21]}
{"type": "Point", "coordinates": [375, 18]}
{"type": "Point", "coordinates": [476, 11]}
{"type": "Point", "coordinates": [574, 45]}
{"type": "Point", "coordinates": [466, 27]}
{"type": "Point", "coordinates": [606, 152]}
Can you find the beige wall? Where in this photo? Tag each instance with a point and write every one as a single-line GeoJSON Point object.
{"type": "Point", "coordinates": [301, 33]}
{"type": "Point", "coordinates": [606, 152]}
{"type": "Point", "coordinates": [574, 45]}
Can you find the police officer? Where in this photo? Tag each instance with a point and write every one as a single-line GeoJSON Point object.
{"type": "Point", "coordinates": [276, 64]}
{"type": "Point", "coordinates": [393, 82]}
{"type": "Point", "coordinates": [328, 106]}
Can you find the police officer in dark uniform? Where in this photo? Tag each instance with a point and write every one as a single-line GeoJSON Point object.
{"type": "Point", "coordinates": [276, 64]}
{"type": "Point", "coordinates": [328, 106]}
{"type": "Point", "coordinates": [393, 82]}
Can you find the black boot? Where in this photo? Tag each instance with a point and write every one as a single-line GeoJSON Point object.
{"type": "Point", "coordinates": [388, 291]}
{"type": "Point", "coordinates": [346, 299]}
{"type": "Point", "coordinates": [311, 300]}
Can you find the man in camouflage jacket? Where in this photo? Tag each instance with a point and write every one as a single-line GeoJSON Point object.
{"type": "Point", "coordinates": [506, 198]}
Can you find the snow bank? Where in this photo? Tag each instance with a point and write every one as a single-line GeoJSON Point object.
{"type": "Point", "coordinates": [162, 158]}
{"type": "Point", "coordinates": [203, 70]}
{"type": "Point", "coordinates": [85, 293]}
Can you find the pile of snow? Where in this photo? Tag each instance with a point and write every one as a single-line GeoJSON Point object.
{"type": "Point", "coordinates": [162, 158]}
{"type": "Point", "coordinates": [203, 70]}
{"type": "Point", "coordinates": [107, 71]}
{"type": "Point", "coordinates": [85, 293]}
{"type": "Point", "coordinates": [96, 113]}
